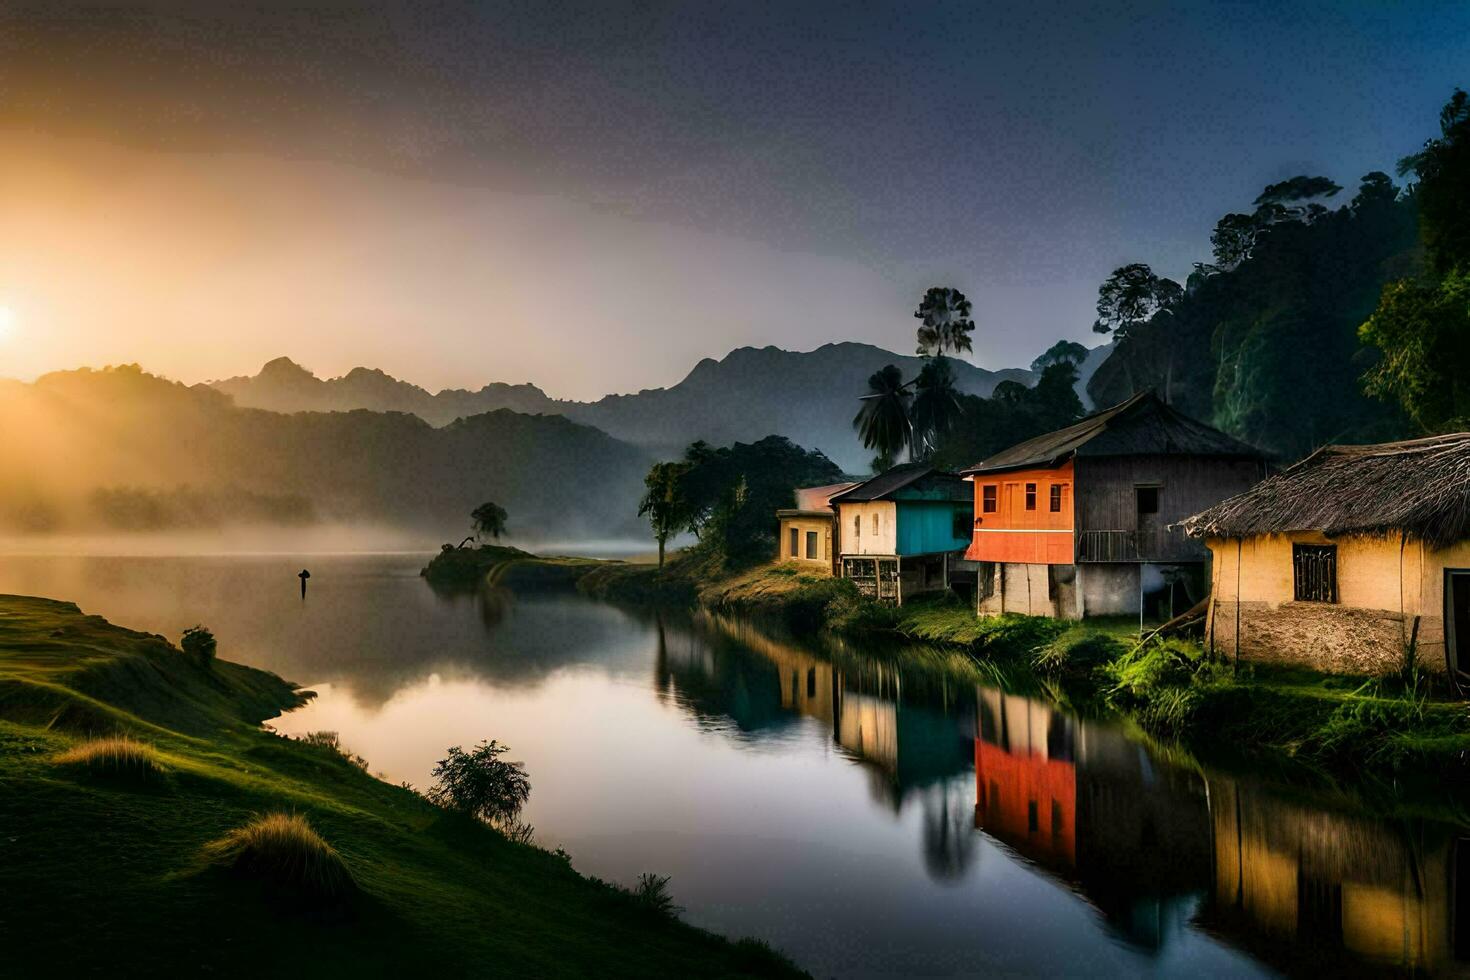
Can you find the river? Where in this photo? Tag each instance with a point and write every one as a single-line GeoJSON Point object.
{"type": "Point", "coordinates": [866, 820]}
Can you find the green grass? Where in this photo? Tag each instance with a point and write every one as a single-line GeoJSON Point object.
{"type": "Point", "coordinates": [118, 758]}
{"type": "Point", "coordinates": [284, 852]}
{"type": "Point", "coordinates": [435, 893]}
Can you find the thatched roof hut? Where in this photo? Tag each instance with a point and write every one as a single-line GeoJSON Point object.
{"type": "Point", "coordinates": [1420, 487]}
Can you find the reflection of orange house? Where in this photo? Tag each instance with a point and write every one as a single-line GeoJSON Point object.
{"type": "Point", "coordinates": [1025, 792]}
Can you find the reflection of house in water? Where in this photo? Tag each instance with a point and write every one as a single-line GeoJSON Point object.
{"type": "Point", "coordinates": [1087, 804]}
{"type": "Point", "coordinates": [1296, 882]}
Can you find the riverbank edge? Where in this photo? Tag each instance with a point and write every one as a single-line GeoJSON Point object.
{"type": "Point", "coordinates": [1170, 688]}
{"type": "Point", "coordinates": [433, 890]}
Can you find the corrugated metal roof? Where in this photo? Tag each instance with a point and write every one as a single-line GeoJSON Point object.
{"type": "Point", "coordinates": [891, 481]}
{"type": "Point", "coordinates": [1142, 425]}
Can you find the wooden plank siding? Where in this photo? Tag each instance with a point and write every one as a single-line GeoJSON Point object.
{"type": "Point", "coordinates": [1109, 525]}
{"type": "Point", "coordinates": [1013, 533]}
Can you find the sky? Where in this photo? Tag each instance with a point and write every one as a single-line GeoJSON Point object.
{"type": "Point", "coordinates": [593, 197]}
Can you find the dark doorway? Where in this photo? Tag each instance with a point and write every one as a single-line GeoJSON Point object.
{"type": "Point", "coordinates": [1457, 626]}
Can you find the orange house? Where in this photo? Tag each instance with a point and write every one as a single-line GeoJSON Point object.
{"type": "Point", "coordinates": [1083, 521]}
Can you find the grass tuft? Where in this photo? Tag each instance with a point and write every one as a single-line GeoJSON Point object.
{"type": "Point", "coordinates": [117, 758]}
{"type": "Point", "coordinates": [283, 851]}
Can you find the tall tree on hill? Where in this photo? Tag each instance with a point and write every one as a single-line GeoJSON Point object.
{"type": "Point", "coordinates": [488, 520]}
{"type": "Point", "coordinates": [883, 421]}
{"type": "Point", "coordinates": [1063, 350]}
{"type": "Point", "coordinates": [664, 503]}
{"type": "Point", "coordinates": [946, 325]}
{"type": "Point", "coordinates": [936, 405]}
{"type": "Point", "coordinates": [1132, 296]}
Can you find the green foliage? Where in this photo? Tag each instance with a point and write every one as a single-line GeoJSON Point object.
{"type": "Point", "coordinates": [481, 784]}
{"type": "Point", "coordinates": [488, 520]}
{"type": "Point", "coordinates": [1132, 295]}
{"type": "Point", "coordinates": [732, 493]}
{"type": "Point", "coordinates": [331, 742]}
{"type": "Point", "coordinates": [1422, 331]}
{"type": "Point", "coordinates": [937, 407]}
{"type": "Point", "coordinates": [1442, 193]}
{"type": "Point", "coordinates": [1063, 350]}
{"type": "Point", "coordinates": [1012, 414]}
{"type": "Point", "coordinates": [882, 422]}
{"type": "Point", "coordinates": [664, 502]}
{"type": "Point", "coordinates": [946, 325]}
{"type": "Point", "coordinates": [199, 643]}
{"type": "Point", "coordinates": [651, 893]}
{"type": "Point", "coordinates": [1077, 652]}
{"type": "Point", "coordinates": [1292, 279]}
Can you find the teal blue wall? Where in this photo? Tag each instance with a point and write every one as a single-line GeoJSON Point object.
{"type": "Point", "coordinates": [925, 526]}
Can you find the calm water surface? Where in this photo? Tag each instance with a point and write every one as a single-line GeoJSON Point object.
{"type": "Point", "coordinates": [869, 823]}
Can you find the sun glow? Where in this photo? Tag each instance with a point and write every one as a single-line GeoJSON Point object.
{"type": "Point", "coordinates": [7, 322]}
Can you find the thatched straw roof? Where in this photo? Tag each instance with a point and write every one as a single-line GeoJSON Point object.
{"type": "Point", "coordinates": [1420, 487]}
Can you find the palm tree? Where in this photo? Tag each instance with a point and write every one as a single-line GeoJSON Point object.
{"type": "Point", "coordinates": [936, 406]}
{"type": "Point", "coordinates": [883, 421]}
{"type": "Point", "coordinates": [947, 324]}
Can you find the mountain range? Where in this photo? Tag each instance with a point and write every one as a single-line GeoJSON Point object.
{"type": "Point", "coordinates": [125, 449]}
{"type": "Point", "coordinates": [808, 396]}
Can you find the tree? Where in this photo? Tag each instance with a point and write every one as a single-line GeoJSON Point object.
{"type": "Point", "coordinates": [883, 420]}
{"type": "Point", "coordinates": [1443, 189]}
{"type": "Point", "coordinates": [946, 326]}
{"type": "Point", "coordinates": [480, 783]}
{"type": "Point", "coordinates": [936, 405]}
{"type": "Point", "coordinates": [1130, 296]}
{"type": "Point", "coordinates": [664, 503]}
{"type": "Point", "coordinates": [199, 643]}
{"type": "Point", "coordinates": [1422, 332]}
{"type": "Point", "coordinates": [489, 519]}
{"type": "Point", "coordinates": [1063, 350]}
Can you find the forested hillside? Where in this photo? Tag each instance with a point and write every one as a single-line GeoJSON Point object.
{"type": "Point", "coordinates": [1263, 340]}
{"type": "Point", "coordinates": [122, 448]}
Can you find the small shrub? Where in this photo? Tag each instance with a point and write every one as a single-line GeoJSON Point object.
{"type": "Point", "coordinates": [480, 783]}
{"type": "Point", "coordinates": [518, 832]}
{"type": "Point", "coordinates": [1078, 650]}
{"type": "Point", "coordinates": [198, 642]}
{"type": "Point", "coordinates": [850, 611]}
{"type": "Point", "coordinates": [331, 742]}
{"type": "Point", "coordinates": [120, 758]}
{"type": "Point", "coordinates": [283, 851]}
{"type": "Point", "coordinates": [652, 895]}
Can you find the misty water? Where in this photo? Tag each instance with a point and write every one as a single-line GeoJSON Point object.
{"type": "Point", "coordinates": [865, 820]}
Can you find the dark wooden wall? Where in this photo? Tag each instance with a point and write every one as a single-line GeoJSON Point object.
{"type": "Point", "coordinates": [1105, 499]}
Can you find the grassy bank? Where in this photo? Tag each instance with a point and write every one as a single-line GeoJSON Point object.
{"type": "Point", "coordinates": [1393, 725]}
{"type": "Point", "coordinates": [150, 827]}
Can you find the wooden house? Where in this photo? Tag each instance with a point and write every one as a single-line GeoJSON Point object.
{"type": "Point", "coordinates": [1079, 522]}
{"type": "Point", "coordinates": [899, 530]}
{"type": "Point", "coordinates": [1348, 560]}
{"type": "Point", "coordinates": [808, 532]}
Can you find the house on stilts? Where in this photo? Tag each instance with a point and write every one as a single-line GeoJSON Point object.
{"type": "Point", "coordinates": [1353, 560]}
{"type": "Point", "coordinates": [901, 531]}
{"type": "Point", "coordinates": [1080, 522]}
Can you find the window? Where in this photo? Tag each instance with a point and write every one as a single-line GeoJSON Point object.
{"type": "Point", "coordinates": [857, 526]}
{"type": "Point", "coordinates": [811, 544]}
{"type": "Point", "coordinates": [1314, 572]}
{"type": "Point", "coordinates": [1147, 498]}
{"type": "Point", "coordinates": [1030, 496]}
{"type": "Point", "coordinates": [987, 499]}
{"type": "Point", "coordinates": [875, 523]}
{"type": "Point", "coordinates": [792, 551]}
{"type": "Point", "coordinates": [1056, 498]}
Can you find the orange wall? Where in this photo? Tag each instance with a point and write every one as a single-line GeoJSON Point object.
{"type": "Point", "coordinates": [1011, 533]}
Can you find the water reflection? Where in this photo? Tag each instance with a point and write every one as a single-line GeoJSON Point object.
{"type": "Point", "coordinates": [870, 820]}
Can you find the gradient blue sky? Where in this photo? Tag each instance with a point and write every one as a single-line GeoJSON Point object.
{"type": "Point", "coordinates": [594, 196]}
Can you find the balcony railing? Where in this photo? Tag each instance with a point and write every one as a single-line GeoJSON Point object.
{"type": "Point", "coordinates": [1158, 544]}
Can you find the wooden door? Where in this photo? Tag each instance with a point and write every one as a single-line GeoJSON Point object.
{"type": "Point", "coordinates": [1457, 627]}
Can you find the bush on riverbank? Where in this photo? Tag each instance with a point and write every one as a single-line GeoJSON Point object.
{"type": "Point", "coordinates": [468, 567]}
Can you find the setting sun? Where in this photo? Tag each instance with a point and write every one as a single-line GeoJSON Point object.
{"type": "Point", "coordinates": [7, 322]}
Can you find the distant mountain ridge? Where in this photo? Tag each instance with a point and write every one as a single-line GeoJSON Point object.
{"type": "Point", "coordinates": [74, 435]}
{"type": "Point", "coordinates": [807, 396]}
